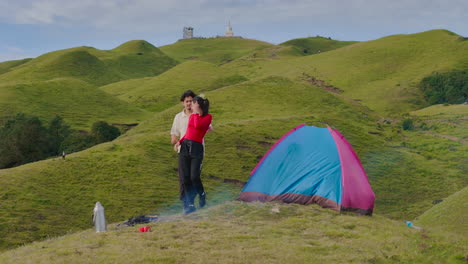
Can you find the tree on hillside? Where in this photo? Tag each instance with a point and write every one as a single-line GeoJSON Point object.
{"type": "Point", "coordinates": [77, 141]}
{"type": "Point", "coordinates": [449, 87]}
{"type": "Point", "coordinates": [104, 132]}
{"type": "Point", "coordinates": [23, 139]}
{"type": "Point", "coordinates": [58, 132]}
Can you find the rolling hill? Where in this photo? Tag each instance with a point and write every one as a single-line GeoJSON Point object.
{"type": "Point", "coordinates": [8, 65]}
{"type": "Point", "coordinates": [160, 92]}
{"type": "Point", "coordinates": [214, 50]}
{"type": "Point", "coordinates": [78, 102]}
{"type": "Point", "coordinates": [66, 82]}
{"type": "Point", "coordinates": [314, 45]}
{"type": "Point", "coordinates": [364, 90]}
{"type": "Point", "coordinates": [130, 60]}
{"type": "Point", "coordinates": [382, 74]}
{"type": "Point", "coordinates": [448, 215]}
{"type": "Point", "coordinates": [250, 233]}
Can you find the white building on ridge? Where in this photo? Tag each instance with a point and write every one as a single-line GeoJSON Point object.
{"type": "Point", "coordinates": [188, 33]}
{"type": "Point", "coordinates": [229, 32]}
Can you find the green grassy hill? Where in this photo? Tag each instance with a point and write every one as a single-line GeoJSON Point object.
{"type": "Point", "coordinates": [214, 50]}
{"type": "Point", "coordinates": [449, 215]}
{"type": "Point", "coordinates": [134, 59]}
{"type": "Point", "coordinates": [65, 82]}
{"type": "Point", "coordinates": [382, 74]}
{"type": "Point", "coordinates": [237, 232]}
{"type": "Point", "coordinates": [78, 102]}
{"type": "Point", "coordinates": [136, 173]}
{"type": "Point", "coordinates": [314, 45]}
{"type": "Point", "coordinates": [160, 92]}
{"type": "Point", "coordinates": [6, 66]}
{"type": "Point", "coordinates": [254, 100]}
{"type": "Point", "coordinates": [444, 121]}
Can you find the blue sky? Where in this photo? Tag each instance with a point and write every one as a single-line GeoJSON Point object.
{"type": "Point", "coordinates": [30, 28]}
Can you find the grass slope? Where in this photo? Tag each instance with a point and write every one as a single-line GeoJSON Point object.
{"type": "Point", "coordinates": [238, 232]}
{"type": "Point", "coordinates": [160, 92]}
{"type": "Point", "coordinates": [444, 121]}
{"type": "Point", "coordinates": [65, 82]}
{"type": "Point", "coordinates": [214, 50]}
{"type": "Point", "coordinates": [383, 74]}
{"type": "Point", "coordinates": [134, 59]}
{"type": "Point", "coordinates": [448, 215]}
{"type": "Point", "coordinates": [314, 45]}
{"type": "Point", "coordinates": [6, 66]}
{"type": "Point", "coordinates": [78, 102]}
{"type": "Point", "coordinates": [442, 110]}
{"type": "Point", "coordinates": [136, 173]}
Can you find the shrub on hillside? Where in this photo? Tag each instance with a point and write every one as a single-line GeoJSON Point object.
{"type": "Point", "coordinates": [449, 87]}
{"type": "Point", "coordinates": [104, 132]}
{"type": "Point", "coordinates": [23, 139]}
{"type": "Point", "coordinates": [408, 124]}
{"type": "Point", "coordinates": [58, 132]}
{"type": "Point", "coordinates": [77, 141]}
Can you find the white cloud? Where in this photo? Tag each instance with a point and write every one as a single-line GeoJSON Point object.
{"type": "Point", "coordinates": [158, 14]}
{"type": "Point", "coordinates": [69, 23]}
{"type": "Point", "coordinates": [163, 16]}
{"type": "Point", "coordinates": [12, 53]}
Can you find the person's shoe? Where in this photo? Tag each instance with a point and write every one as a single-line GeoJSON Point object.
{"type": "Point", "coordinates": [189, 209]}
{"type": "Point", "coordinates": [202, 200]}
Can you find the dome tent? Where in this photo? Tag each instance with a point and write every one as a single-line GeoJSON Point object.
{"type": "Point", "coordinates": [311, 165]}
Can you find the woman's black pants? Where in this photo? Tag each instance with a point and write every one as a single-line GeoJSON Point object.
{"type": "Point", "coordinates": [190, 165]}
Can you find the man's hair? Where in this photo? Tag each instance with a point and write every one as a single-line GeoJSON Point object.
{"type": "Point", "coordinates": [204, 104]}
{"type": "Point", "coordinates": [186, 94]}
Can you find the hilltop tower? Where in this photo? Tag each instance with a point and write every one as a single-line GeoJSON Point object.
{"type": "Point", "coordinates": [229, 32]}
{"type": "Point", "coordinates": [188, 33]}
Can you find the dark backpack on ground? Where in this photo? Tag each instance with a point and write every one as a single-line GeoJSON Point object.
{"type": "Point", "coordinates": [142, 219]}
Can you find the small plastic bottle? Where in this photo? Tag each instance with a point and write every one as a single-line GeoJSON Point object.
{"type": "Point", "coordinates": [410, 224]}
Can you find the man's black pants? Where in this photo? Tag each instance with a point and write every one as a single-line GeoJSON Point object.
{"type": "Point", "coordinates": [190, 165]}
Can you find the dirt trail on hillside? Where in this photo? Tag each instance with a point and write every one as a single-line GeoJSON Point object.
{"type": "Point", "coordinates": [452, 138]}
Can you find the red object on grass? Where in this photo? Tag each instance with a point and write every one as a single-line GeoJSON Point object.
{"type": "Point", "coordinates": [145, 229]}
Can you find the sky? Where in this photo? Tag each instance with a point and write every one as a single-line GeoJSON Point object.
{"type": "Point", "coordinates": [30, 28]}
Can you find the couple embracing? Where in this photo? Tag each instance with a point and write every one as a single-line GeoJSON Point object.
{"type": "Point", "coordinates": [187, 133]}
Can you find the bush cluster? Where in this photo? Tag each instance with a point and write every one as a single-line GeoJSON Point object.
{"type": "Point", "coordinates": [408, 124]}
{"type": "Point", "coordinates": [23, 139]}
{"type": "Point", "coordinates": [449, 87]}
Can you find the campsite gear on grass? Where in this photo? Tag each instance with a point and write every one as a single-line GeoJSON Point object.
{"type": "Point", "coordinates": [311, 165]}
{"type": "Point", "coordinates": [410, 224]}
{"type": "Point", "coordinates": [145, 228]}
{"type": "Point", "coordinates": [142, 219]}
{"type": "Point", "coordinates": [99, 218]}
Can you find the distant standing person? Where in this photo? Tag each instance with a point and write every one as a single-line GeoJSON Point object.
{"type": "Point", "coordinates": [179, 127]}
{"type": "Point", "coordinates": [192, 153]}
{"type": "Point", "coordinates": [63, 154]}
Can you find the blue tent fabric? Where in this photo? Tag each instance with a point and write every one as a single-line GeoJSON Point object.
{"type": "Point", "coordinates": [294, 160]}
{"type": "Point", "coordinates": [304, 167]}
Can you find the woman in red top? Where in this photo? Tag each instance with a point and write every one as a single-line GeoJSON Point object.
{"type": "Point", "coordinates": [192, 152]}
